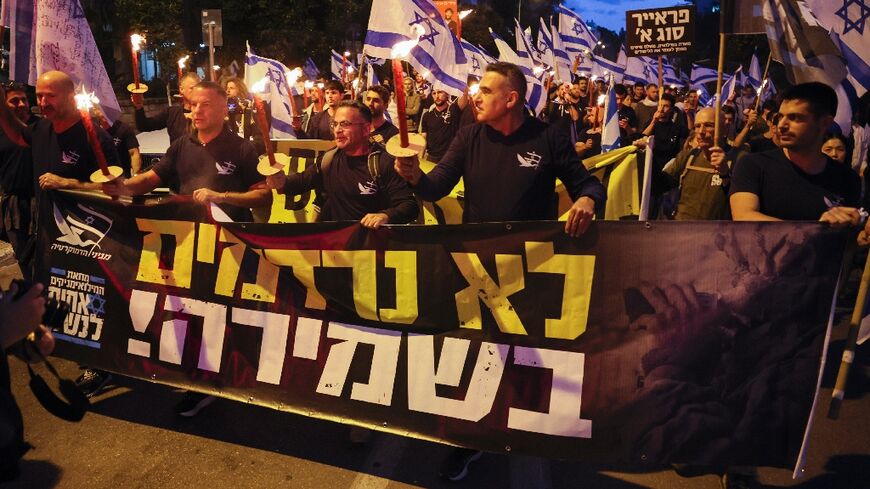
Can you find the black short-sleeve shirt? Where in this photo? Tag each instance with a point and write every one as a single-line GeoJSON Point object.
{"type": "Point", "coordinates": [125, 139]}
{"type": "Point", "coordinates": [227, 163]}
{"type": "Point", "coordinates": [67, 154]}
{"type": "Point", "coordinates": [440, 128]}
{"type": "Point", "coordinates": [786, 192]}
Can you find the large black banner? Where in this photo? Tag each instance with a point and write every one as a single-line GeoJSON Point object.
{"type": "Point", "coordinates": [640, 343]}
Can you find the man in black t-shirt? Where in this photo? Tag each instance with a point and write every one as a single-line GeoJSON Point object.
{"type": "Point", "coordinates": [798, 181]}
{"type": "Point", "coordinates": [126, 144]}
{"type": "Point", "coordinates": [213, 165]}
{"type": "Point", "coordinates": [510, 162]}
{"type": "Point", "coordinates": [377, 98]}
{"type": "Point", "coordinates": [62, 155]}
{"type": "Point", "coordinates": [175, 118]}
{"type": "Point", "coordinates": [351, 188]}
{"type": "Point", "coordinates": [319, 125]}
{"type": "Point", "coordinates": [16, 178]}
{"type": "Point", "coordinates": [439, 124]}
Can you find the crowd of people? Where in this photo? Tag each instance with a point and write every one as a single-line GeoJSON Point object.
{"type": "Point", "coordinates": [776, 160]}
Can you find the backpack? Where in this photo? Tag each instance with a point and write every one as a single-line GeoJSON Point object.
{"type": "Point", "coordinates": [325, 163]}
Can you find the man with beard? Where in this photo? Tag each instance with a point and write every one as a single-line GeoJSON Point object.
{"type": "Point", "coordinates": [377, 98]}
{"type": "Point", "coordinates": [319, 125]}
{"type": "Point", "coordinates": [646, 108]}
{"type": "Point", "coordinates": [439, 124]}
{"type": "Point", "coordinates": [356, 181]}
{"type": "Point", "coordinates": [798, 181]}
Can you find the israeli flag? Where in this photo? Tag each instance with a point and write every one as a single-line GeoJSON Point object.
{"type": "Point", "coordinates": [257, 68]}
{"type": "Point", "coordinates": [754, 77]}
{"type": "Point", "coordinates": [477, 59]}
{"type": "Point", "coordinates": [336, 68]}
{"type": "Point", "coordinates": [701, 75]}
{"type": "Point", "coordinates": [610, 129]}
{"type": "Point", "coordinates": [310, 69]}
{"type": "Point", "coordinates": [437, 52]}
{"type": "Point", "coordinates": [575, 33]}
{"type": "Point", "coordinates": [561, 59]}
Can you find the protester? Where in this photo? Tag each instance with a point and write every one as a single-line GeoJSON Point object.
{"type": "Point", "coordinates": [126, 143]}
{"type": "Point", "coordinates": [319, 125]}
{"type": "Point", "coordinates": [669, 139]}
{"type": "Point", "coordinates": [212, 165]}
{"type": "Point", "coordinates": [835, 146]}
{"type": "Point", "coordinates": [744, 102]}
{"type": "Point", "coordinates": [509, 164]}
{"type": "Point", "coordinates": [764, 185]}
{"type": "Point", "coordinates": [413, 104]}
{"type": "Point", "coordinates": [646, 108]}
{"type": "Point", "coordinates": [626, 115]}
{"type": "Point", "coordinates": [356, 181]}
{"type": "Point", "coordinates": [16, 180]}
{"type": "Point", "coordinates": [439, 124]}
{"type": "Point", "coordinates": [175, 118]}
{"type": "Point", "coordinates": [377, 98]}
{"type": "Point", "coordinates": [701, 174]}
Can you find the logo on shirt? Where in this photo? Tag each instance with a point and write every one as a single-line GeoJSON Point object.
{"type": "Point", "coordinates": [117, 142]}
{"type": "Point", "coordinates": [81, 231]}
{"type": "Point", "coordinates": [70, 158]}
{"type": "Point", "coordinates": [370, 188]}
{"type": "Point", "coordinates": [834, 201]}
{"type": "Point", "coordinates": [225, 167]}
{"type": "Point", "coordinates": [530, 160]}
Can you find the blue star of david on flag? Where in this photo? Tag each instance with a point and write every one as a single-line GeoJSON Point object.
{"type": "Point", "coordinates": [431, 33]}
{"type": "Point", "coordinates": [860, 22]}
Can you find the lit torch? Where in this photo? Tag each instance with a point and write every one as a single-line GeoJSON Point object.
{"type": "Point", "coordinates": [136, 41]}
{"type": "Point", "coordinates": [320, 97]}
{"type": "Point", "coordinates": [84, 103]}
{"type": "Point", "coordinates": [290, 78]}
{"type": "Point", "coordinates": [181, 62]}
{"type": "Point", "coordinates": [403, 147]}
{"type": "Point", "coordinates": [344, 56]}
{"type": "Point", "coordinates": [463, 14]}
{"type": "Point", "coordinates": [258, 89]}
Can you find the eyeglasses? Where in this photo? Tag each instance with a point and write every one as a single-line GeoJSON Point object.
{"type": "Point", "coordinates": [345, 124]}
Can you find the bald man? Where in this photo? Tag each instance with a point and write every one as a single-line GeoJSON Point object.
{"type": "Point", "coordinates": [62, 156]}
{"type": "Point", "coordinates": [702, 173]}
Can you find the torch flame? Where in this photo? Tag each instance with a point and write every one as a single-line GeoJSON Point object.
{"type": "Point", "coordinates": [463, 14]}
{"type": "Point", "coordinates": [183, 61]}
{"type": "Point", "coordinates": [293, 75]}
{"type": "Point", "coordinates": [347, 53]}
{"type": "Point", "coordinates": [136, 41]}
{"type": "Point", "coordinates": [601, 99]}
{"type": "Point", "coordinates": [320, 85]}
{"type": "Point", "coordinates": [309, 84]}
{"type": "Point", "coordinates": [403, 48]}
{"type": "Point", "coordinates": [350, 69]}
{"type": "Point", "coordinates": [355, 83]}
{"type": "Point", "coordinates": [473, 89]}
{"type": "Point", "coordinates": [537, 70]}
{"type": "Point", "coordinates": [86, 100]}
{"type": "Point", "coordinates": [260, 86]}
{"type": "Point", "coordinates": [698, 92]}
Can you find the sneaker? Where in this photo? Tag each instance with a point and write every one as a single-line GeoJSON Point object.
{"type": "Point", "coordinates": [734, 480]}
{"type": "Point", "coordinates": [92, 381]}
{"type": "Point", "coordinates": [455, 466]}
{"type": "Point", "coordinates": [192, 403]}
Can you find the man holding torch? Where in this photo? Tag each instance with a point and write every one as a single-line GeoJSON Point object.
{"type": "Point", "coordinates": [176, 118]}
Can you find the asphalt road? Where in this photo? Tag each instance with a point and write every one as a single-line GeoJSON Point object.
{"type": "Point", "coordinates": [132, 439]}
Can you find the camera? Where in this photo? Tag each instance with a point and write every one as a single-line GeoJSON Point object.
{"type": "Point", "coordinates": [55, 310]}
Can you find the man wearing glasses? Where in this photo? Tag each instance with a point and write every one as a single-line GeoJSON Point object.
{"type": "Point", "coordinates": [356, 181]}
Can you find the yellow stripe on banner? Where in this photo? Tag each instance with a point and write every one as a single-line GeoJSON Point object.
{"type": "Point", "coordinates": [296, 211]}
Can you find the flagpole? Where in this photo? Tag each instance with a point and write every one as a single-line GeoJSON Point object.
{"type": "Point", "coordinates": [763, 77]}
{"type": "Point", "coordinates": [851, 341]}
{"type": "Point", "coordinates": [661, 82]}
{"type": "Point", "coordinates": [717, 128]}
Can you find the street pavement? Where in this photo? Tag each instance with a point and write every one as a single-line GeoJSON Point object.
{"type": "Point", "coordinates": [132, 439]}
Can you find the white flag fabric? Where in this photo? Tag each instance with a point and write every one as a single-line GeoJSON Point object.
{"type": "Point", "coordinates": [52, 35]}
{"type": "Point", "coordinates": [754, 76]}
{"type": "Point", "coordinates": [610, 139]}
{"type": "Point", "coordinates": [438, 51]}
{"type": "Point", "coordinates": [536, 97]}
{"type": "Point", "coordinates": [575, 33]}
{"type": "Point", "coordinates": [801, 44]}
{"type": "Point", "coordinates": [563, 61]}
{"type": "Point", "coordinates": [849, 22]}
{"type": "Point", "coordinates": [477, 59]}
{"type": "Point", "coordinates": [257, 68]}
